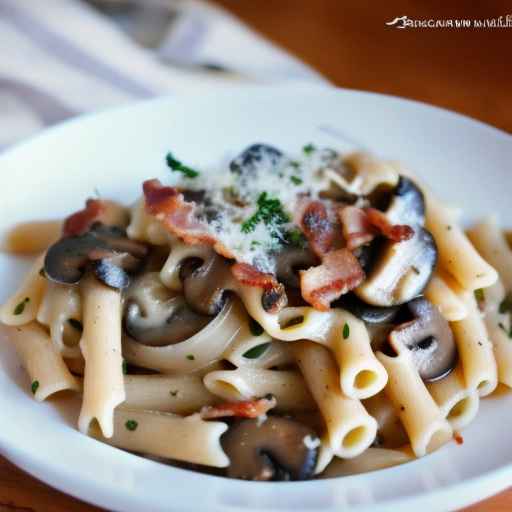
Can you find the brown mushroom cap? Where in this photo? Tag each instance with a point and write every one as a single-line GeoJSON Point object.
{"type": "Point", "coordinates": [289, 261]}
{"type": "Point", "coordinates": [429, 338]}
{"type": "Point", "coordinates": [276, 449]}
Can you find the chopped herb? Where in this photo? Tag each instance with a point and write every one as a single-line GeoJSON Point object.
{"type": "Point", "coordinates": [255, 328]}
{"type": "Point", "coordinates": [76, 324]}
{"type": "Point", "coordinates": [41, 272]}
{"type": "Point", "coordinates": [295, 164]}
{"type": "Point", "coordinates": [270, 211]}
{"type": "Point", "coordinates": [35, 386]}
{"type": "Point", "coordinates": [479, 295]}
{"type": "Point", "coordinates": [177, 166]}
{"type": "Point", "coordinates": [254, 244]}
{"type": "Point", "coordinates": [131, 425]}
{"type": "Point", "coordinates": [506, 304]}
{"type": "Point", "coordinates": [308, 148]}
{"type": "Point", "coordinates": [18, 310]}
{"type": "Point", "coordinates": [296, 238]}
{"type": "Point", "coordinates": [346, 331]}
{"type": "Point", "coordinates": [174, 392]}
{"type": "Point", "coordinates": [257, 351]}
{"type": "Point", "coordinates": [190, 357]}
{"type": "Point", "coordinates": [503, 328]}
{"type": "Point", "coordinates": [448, 228]}
{"type": "Point", "coordinates": [296, 180]}
{"type": "Point", "coordinates": [124, 367]}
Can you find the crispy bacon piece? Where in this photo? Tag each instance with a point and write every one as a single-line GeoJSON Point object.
{"type": "Point", "coordinates": [168, 205]}
{"type": "Point", "coordinates": [319, 229]}
{"type": "Point", "coordinates": [339, 273]}
{"type": "Point", "coordinates": [362, 226]}
{"type": "Point", "coordinates": [396, 233]}
{"type": "Point", "coordinates": [357, 228]}
{"type": "Point", "coordinates": [81, 221]}
{"type": "Point", "coordinates": [251, 276]}
{"type": "Point", "coordinates": [246, 409]}
{"type": "Point", "coordinates": [274, 298]}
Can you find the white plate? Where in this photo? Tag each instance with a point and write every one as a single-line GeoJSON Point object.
{"type": "Point", "coordinates": [51, 175]}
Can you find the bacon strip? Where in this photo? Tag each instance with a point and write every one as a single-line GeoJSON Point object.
{"type": "Point", "coordinates": [81, 221]}
{"type": "Point", "coordinates": [317, 226]}
{"type": "Point", "coordinates": [246, 409]}
{"type": "Point", "coordinates": [251, 276]}
{"type": "Point", "coordinates": [396, 233]}
{"type": "Point", "coordinates": [339, 273]}
{"type": "Point", "coordinates": [362, 226]}
{"type": "Point", "coordinates": [168, 205]}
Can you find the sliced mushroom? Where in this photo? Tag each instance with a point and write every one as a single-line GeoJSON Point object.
{"type": "Point", "coordinates": [407, 204]}
{"type": "Point", "coordinates": [289, 261]}
{"type": "Point", "coordinates": [110, 253]}
{"type": "Point", "coordinates": [367, 313]}
{"type": "Point", "coordinates": [400, 271]}
{"type": "Point", "coordinates": [255, 158]}
{"type": "Point", "coordinates": [429, 338]}
{"type": "Point", "coordinates": [277, 449]}
{"type": "Point", "coordinates": [206, 287]}
{"type": "Point", "coordinates": [155, 316]}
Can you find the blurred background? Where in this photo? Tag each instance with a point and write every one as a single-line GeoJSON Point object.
{"type": "Point", "coordinates": [61, 58]}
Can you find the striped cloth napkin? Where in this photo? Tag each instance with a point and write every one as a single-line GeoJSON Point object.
{"type": "Point", "coordinates": [61, 58]}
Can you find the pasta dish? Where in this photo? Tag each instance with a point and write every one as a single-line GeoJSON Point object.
{"type": "Point", "coordinates": [284, 318]}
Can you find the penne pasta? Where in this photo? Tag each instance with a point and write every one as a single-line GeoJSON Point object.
{"type": "Point", "coordinates": [350, 429]}
{"type": "Point", "coordinates": [180, 394]}
{"type": "Point", "coordinates": [442, 291]}
{"type": "Point", "coordinates": [168, 436]}
{"type": "Point", "coordinates": [32, 237]}
{"type": "Point", "coordinates": [42, 361]}
{"type": "Point", "coordinates": [475, 349]}
{"type": "Point", "coordinates": [21, 308]}
{"type": "Point", "coordinates": [421, 417]}
{"type": "Point", "coordinates": [244, 383]}
{"type": "Point", "coordinates": [101, 347]}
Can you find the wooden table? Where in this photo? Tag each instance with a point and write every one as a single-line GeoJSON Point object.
{"type": "Point", "coordinates": [464, 70]}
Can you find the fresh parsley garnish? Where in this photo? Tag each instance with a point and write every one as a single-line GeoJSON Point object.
{"type": "Point", "coordinates": [124, 367]}
{"type": "Point", "coordinates": [346, 331]}
{"type": "Point", "coordinates": [131, 425]}
{"type": "Point", "coordinates": [296, 180]}
{"type": "Point", "coordinates": [190, 357]}
{"type": "Point", "coordinates": [76, 324]}
{"type": "Point", "coordinates": [35, 386]}
{"type": "Point", "coordinates": [18, 310]}
{"type": "Point", "coordinates": [257, 351]}
{"type": "Point", "coordinates": [479, 295]}
{"type": "Point", "coordinates": [177, 166]}
{"type": "Point", "coordinates": [308, 148]}
{"type": "Point", "coordinates": [270, 212]}
{"type": "Point", "coordinates": [255, 328]}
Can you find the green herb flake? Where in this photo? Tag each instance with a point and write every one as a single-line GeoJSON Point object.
{"type": "Point", "coordinates": [504, 329]}
{"type": "Point", "coordinates": [35, 386]}
{"type": "Point", "coordinates": [255, 328]}
{"type": "Point", "coordinates": [506, 304]}
{"type": "Point", "coordinates": [295, 164]}
{"type": "Point", "coordinates": [76, 324]}
{"type": "Point", "coordinates": [257, 351]}
{"type": "Point", "coordinates": [308, 149]}
{"type": "Point", "coordinates": [131, 425]}
{"type": "Point", "coordinates": [479, 295]}
{"type": "Point", "coordinates": [296, 180]}
{"type": "Point", "coordinates": [177, 166]}
{"type": "Point", "coordinates": [124, 367]}
{"type": "Point", "coordinates": [295, 238]}
{"type": "Point", "coordinates": [190, 357]}
{"type": "Point", "coordinates": [173, 392]}
{"type": "Point", "coordinates": [448, 228]}
{"type": "Point", "coordinates": [269, 211]}
{"type": "Point", "coordinates": [18, 310]}
{"type": "Point", "coordinates": [346, 331]}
